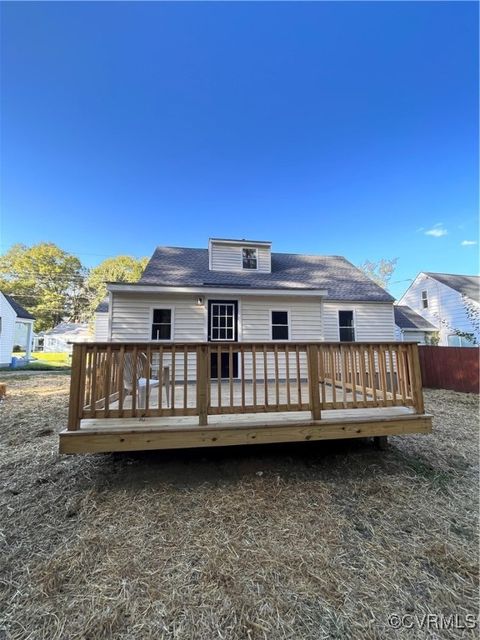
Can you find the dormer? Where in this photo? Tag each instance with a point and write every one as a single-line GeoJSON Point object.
{"type": "Point", "coordinates": [248, 256]}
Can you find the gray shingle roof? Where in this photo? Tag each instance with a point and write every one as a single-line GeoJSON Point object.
{"type": "Point", "coordinates": [102, 307]}
{"type": "Point", "coordinates": [19, 310]}
{"type": "Point", "coordinates": [466, 285]}
{"type": "Point", "coordinates": [407, 318]}
{"type": "Point", "coordinates": [176, 266]}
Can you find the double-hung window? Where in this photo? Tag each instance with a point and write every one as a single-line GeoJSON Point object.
{"type": "Point", "coordinates": [346, 326]}
{"type": "Point", "coordinates": [424, 300]}
{"type": "Point", "coordinates": [162, 324]}
{"type": "Point", "coordinates": [280, 328]}
{"type": "Point", "coordinates": [249, 258]}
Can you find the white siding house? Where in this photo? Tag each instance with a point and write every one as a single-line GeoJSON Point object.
{"type": "Point", "coordinates": [11, 315]}
{"type": "Point", "coordinates": [444, 300]}
{"type": "Point", "coordinates": [60, 338]}
{"type": "Point", "coordinates": [239, 291]}
{"type": "Point", "coordinates": [411, 326]}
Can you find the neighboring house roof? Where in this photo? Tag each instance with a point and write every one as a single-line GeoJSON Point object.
{"type": "Point", "coordinates": [102, 307]}
{"type": "Point", "coordinates": [407, 318]}
{"type": "Point", "coordinates": [466, 285]}
{"type": "Point", "coordinates": [22, 313]}
{"type": "Point", "coordinates": [176, 266]}
{"type": "Point", "coordinates": [68, 330]}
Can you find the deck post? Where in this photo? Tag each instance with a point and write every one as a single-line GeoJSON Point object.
{"type": "Point", "coordinates": [202, 384]}
{"type": "Point", "coordinates": [75, 381]}
{"type": "Point", "coordinates": [314, 382]}
{"type": "Point", "coordinates": [417, 379]}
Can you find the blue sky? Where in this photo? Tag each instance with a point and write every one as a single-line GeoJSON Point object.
{"type": "Point", "coordinates": [330, 128]}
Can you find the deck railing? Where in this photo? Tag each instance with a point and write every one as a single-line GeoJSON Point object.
{"type": "Point", "coordinates": [137, 380]}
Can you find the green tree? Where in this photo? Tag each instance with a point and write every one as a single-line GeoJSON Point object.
{"type": "Point", "coordinates": [117, 269]}
{"type": "Point", "coordinates": [381, 271]}
{"type": "Point", "coordinates": [46, 280]}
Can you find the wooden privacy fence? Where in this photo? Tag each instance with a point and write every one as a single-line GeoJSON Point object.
{"type": "Point", "coordinates": [455, 368]}
{"type": "Point", "coordinates": [136, 380]}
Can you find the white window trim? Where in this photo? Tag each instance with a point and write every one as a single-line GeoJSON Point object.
{"type": "Point", "coordinates": [354, 316]}
{"type": "Point", "coordinates": [172, 322]}
{"type": "Point", "coordinates": [287, 311]}
{"type": "Point", "coordinates": [256, 257]}
{"type": "Point", "coordinates": [424, 299]}
{"type": "Point", "coordinates": [235, 322]}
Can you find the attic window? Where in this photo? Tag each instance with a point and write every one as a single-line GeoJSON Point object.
{"type": "Point", "coordinates": [249, 258]}
{"type": "Point", "coordinates": [424, 299]}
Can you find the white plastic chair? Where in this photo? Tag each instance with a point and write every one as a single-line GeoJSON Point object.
{"type": "Point", "coordinates": [129, 372]}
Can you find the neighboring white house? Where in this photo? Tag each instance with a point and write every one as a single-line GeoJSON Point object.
{"type": "Point", "coordinates": [11, 315]}
{"type": "Point", "coordinates": [239, 291]}
{"type": "Point", "coordinates": [57, 340]}
{"type": "Point", "coordinates": [446, 300]}
{"type": "Point", "coordinates": [411, 326]}
{"type": "Point", "coordinates": [101, 322]}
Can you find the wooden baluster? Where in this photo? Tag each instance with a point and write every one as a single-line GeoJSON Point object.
{"type": "Point", "coordinates": [287, 375]}
{"type": "Point", "coordinates": [417, 379]}
{"type": "Point", "coordinates": [242, 358]}
{"type": "Point", "coordinates": [313, 382]}
{"type": "Point", "coordinates": [173, 376]}
{"type": "Point", "coordinates": [265, 376]}
{"type": "Point", "coordinates": [185, 376]}
{"type": "Point", "coordinates": [108, 372]}
{"type": "Point", "coordinates": [383, 373]}
{"type": "Point", "coordinates": [134, 356]}
{"type": "Point", "coordinates": [230, 373]}
{"type": "Point", "coordinates": [161, 381]}
{"type": "Point", "coordinates": [277, 388]}
{"type": "Point", "coordinates": [254, 374]}
{"type": "Point", "coordinates": [121, 390]}
{"type": "Point", "coordinates": [353, 358]}
{"type": "Point", "coordinates": [344, 374]}
{"type": "Point", "coordinates": [363, 375]}
{"type": "Point", "coordinates": [148, 376]}
{"type": "Point", "coordinates": [333, 375]}
{"type": "Point", "coordinates": [93, 404]}
{"type": "Point", "coordinates": [373, 373]}
{"type": "Point", "coordinates": [203, 357]}
{"type": "Point", "coordinates": [299, 376]}
{"type": "Point", "coordinates": [219, 375]}
{"type": "Point", "coordinates": [393, 383]}
{"type": "Point", "coordinates": [321, 372]}
{"type": "Point", "coordinates": [401, 374]}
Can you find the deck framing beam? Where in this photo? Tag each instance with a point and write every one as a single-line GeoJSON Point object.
{"type": "Point", "coordinates": [140, 439]}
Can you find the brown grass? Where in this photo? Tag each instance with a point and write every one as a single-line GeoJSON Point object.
{"type": "Point", "coordinates": [312, 541]}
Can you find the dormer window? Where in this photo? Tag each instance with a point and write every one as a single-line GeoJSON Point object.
{"type": "Point", "coordinates": [249, 258]}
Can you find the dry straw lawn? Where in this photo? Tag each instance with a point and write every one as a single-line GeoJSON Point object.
{"type": "Point", "coordinates": [321, 540]}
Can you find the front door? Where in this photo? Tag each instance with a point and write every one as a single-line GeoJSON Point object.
{"type": "Point", "coordinates": [223, 327]}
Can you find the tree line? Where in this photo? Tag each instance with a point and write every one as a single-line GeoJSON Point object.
{"type": "Point", "coordinates": [53, 285]}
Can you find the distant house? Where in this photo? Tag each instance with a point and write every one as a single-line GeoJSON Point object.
{"type": "Point", "coordinates": [450, 302]}
{"type": "Point", "coordinates": [101, 321]}
{"type": "Point", "coordinates": [411, 326]}
{"type": "Point", "coordinates": [58, 339]}
{"type": "Point", "coordinates": [12, 315]}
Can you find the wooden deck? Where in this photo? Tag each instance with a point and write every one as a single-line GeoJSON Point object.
{"type": "Point", "coordinates": [277, 393]}
{"type": "Point", "coordinates": [133, 434]}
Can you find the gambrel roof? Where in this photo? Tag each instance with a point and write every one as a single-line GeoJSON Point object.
{"type": "Point", "coordinates": [407, 318]}
{"type": "Point", "coordinates": [466, 285]}
{"type": "Point", "coordinates": [185, 267]}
